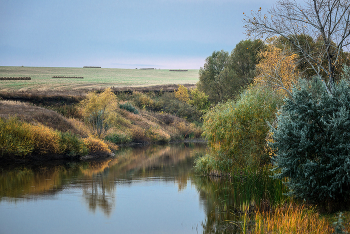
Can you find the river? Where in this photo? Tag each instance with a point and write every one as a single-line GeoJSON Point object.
{"type": "Point", "coordinates": [150, 189]}
{"type": "Point", "coordinates": [142, 190]}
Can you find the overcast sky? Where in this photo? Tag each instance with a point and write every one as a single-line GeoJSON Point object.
{"type": "Point", "coordinates": [120, 33]}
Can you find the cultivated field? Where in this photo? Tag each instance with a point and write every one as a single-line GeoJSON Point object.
{"type": "Point", "coordinates": [94, 78]}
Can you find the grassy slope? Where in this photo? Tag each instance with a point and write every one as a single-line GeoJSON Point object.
{"type": "Point", "coordinates": [93, 78]}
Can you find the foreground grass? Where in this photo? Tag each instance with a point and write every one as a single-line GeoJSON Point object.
{"type": "Point", "coordinates": [94, 78]}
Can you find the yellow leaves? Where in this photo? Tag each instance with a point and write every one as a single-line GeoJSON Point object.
{"type": "Point", "coordinates": [277, 69]}
{"type": "Point", "coordinates": [46, 140]}
{"type": "Point", "coordinates": [182, 94]}
{"type": "Point", "coordinates": [98, 108]}
{"type": "Point", "coordinates": [94, 102]}
{"type": "Point", "coordinates": [96, 145]}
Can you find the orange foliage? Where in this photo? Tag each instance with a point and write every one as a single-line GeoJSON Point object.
{"type": "Point", "coordinates": [277, 69]}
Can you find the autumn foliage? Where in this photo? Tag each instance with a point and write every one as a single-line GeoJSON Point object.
{"type": "Point", "coordinates": [277, 69]}
{"type": "Point", "coordinates": [236, 130]}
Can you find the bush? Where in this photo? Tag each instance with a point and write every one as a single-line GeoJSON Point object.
{"type": "Point", "coordinates": [236, 131]}
{"type": "Point", "coordinates": [182, 94]}
{"type": "Point", "coordinates": [204, 165]}
{"type": "Point", "coordinates": [21, 139]}
{"type": "Point", "coordinates": [312, 143]}
{"type": "Point", "coordinates": [118, 138]}
{"type": "Point", "coordinates": [96, 146]}
{"type": "Point", "coordinates": [98, 110]}
{"type": "Point", "coordinates": [46, 140]}
{"type": "Point", "coordinates": [157, 135]}
{"type": "Point", "coordinates": [72, 145]}
{"type": "Point", "coordinates": [15, 138]}
{"type": "Point", "coordinates": [129, 107]}
{"type": "Point", "coordinates": [181, 109]}
{"type": "Point", "coordinates": [143, 101]}
{"type": "Point", "coordinates": [199, 100]}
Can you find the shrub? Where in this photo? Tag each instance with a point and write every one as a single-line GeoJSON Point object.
{"type": "Point", "coordinates": [312, 143]}
{"type": "Point", "coordinates": [199, 100]}
{"type": "Point", "coordinates": [72, 145]}
{"type": "Point", "coordinates": [182, 94]}
{"type": "Point", "coordinates": [143, 101]}
{"type": "Point", "coordinates": [98, 108]}
{"type": "Point", "coordinates": [45, 139]}
{"type": "Point", "coordinates": [96, 146]}
{"type": "Point", "coordinates": [138, 134]}
{"type": "Point", "coordinates": [129, 107]}
{"type": "Point", "coordinates": [118, 138]}
{"type": "Point", "coordinates": [237, 130]}
{"type": "Point", "coordinates": [204, 165]}
{"type": "Point", "coordinates": [15, 138]}
{"type": "Point", "coordinates": [187, 130]}
{"type": "Point", "coordinates": [157, 135]}
{"type": "Point", "coordinates": [184, 110]}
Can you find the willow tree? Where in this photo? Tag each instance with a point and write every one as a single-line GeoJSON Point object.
{"type": "Point", "coordinates": [326, 21]}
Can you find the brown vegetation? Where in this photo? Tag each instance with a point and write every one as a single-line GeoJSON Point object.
{"type": "Point", "coordinates": [34, 114]}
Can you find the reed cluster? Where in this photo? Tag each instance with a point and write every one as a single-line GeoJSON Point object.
{"type": "Point", "coordinates": [292, 219]}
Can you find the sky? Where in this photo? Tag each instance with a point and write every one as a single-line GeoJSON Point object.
{"type": "Point", "coordinates": [166, 34]}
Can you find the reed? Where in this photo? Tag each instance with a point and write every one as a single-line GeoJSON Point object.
{"type": "Point", "coordinates": [291, 219]}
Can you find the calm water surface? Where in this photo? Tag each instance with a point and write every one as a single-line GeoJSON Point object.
{"type": "Point", "coordinates": [142, 190]}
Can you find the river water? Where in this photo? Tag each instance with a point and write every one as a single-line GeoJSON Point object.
{"type": "Point", "coordinates": [142, 190]}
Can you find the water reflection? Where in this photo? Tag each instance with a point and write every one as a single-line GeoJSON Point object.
{"type": "Point", "coordinates": [98, 180]}
{"type": "Point", "coordinates": [143, 180]}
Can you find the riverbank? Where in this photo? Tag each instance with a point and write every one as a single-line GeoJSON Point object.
{"type": "Point", "coordinates": [46, 127]}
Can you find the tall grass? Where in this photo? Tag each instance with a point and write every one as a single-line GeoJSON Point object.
{"type": "Point", "coordinates": [291, 219]}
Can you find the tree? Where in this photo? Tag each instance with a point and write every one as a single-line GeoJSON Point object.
{"type": "Point", "coordinates": [312, 47]}
{"type": "Point", "coordinates": [277, 69]}
{"type": "Point", "coordinates": [244, 58]}
{"type": "Point", "coordinates": [211, 75]}
{"type": "Point", "coordinates": [312, 145]}
{"type": "Point", "coordinates": [224, 75]}
{"type": "Point", "coordinates": [325, 21]}
{"type": "Point", "coordinates": [99, 109]}
{"type": "Point", "coordinates": [236, 130]}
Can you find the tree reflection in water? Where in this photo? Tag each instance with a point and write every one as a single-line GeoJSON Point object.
{"type": "Point", "coordinates": [98, 179]}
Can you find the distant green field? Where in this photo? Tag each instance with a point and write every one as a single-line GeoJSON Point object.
{"type": "Point", "coordinates": [93, 78]}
